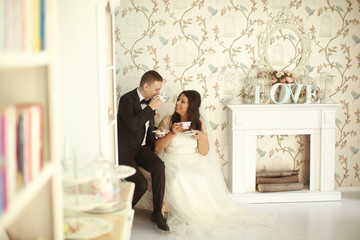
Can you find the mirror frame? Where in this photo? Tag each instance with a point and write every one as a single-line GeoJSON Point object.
{"type": "Point", "coordinates": [285, 19]}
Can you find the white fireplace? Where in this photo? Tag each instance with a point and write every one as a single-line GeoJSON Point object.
{"type": "Point", "coordinates": [249, 120]}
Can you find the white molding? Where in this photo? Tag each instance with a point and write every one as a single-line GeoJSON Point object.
{"type": "Point", "coordinates": [247, 121]}
{"type": "Point", "coordinates": [349, 189]}
{"type": "Point", "coordinates": [114, 4]}
{"type": "Point", "coordinates": [290, 196]}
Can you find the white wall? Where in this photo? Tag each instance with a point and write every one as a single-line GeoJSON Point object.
{"type": "Point", "coordinates": [79, 80]}
{"type": "Point", "coordinates": [192, 44]}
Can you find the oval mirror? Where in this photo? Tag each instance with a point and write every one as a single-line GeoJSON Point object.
{"type": "Point", "coordinates": [284, 49]}
{"type": "Point", "coordinates": [284, 45]}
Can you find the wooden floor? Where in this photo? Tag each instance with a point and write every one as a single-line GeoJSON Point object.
{"type": "Point", "coordinates": [295, 221]}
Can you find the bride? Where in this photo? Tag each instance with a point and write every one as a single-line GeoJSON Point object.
{"type": "Point", "coordinates": [195, 191]}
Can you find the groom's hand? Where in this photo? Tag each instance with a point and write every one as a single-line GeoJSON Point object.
{"type": "Point", "coordinates": [155, 103]}
{"type": "Point", "coordinates": [162, 134]}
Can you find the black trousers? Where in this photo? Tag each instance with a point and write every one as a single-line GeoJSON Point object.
{"type": "Point", "coordinates": [147, 159]}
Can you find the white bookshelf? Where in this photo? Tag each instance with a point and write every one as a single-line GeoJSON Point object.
{"type": "Point", "coordinates": [19, 60]}
{"type": "Point", "coordinates": [25, 195]}
{"type": "Point", "coordinates": [29, 76]}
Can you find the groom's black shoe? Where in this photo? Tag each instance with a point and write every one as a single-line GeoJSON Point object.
{"type": "Point", "coordinates": [160, 221]}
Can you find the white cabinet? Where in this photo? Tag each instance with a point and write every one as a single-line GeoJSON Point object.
{"type": "Point", "coordinates": [87, 76]}
{"type": "Point", "coordinates": [28, 74]}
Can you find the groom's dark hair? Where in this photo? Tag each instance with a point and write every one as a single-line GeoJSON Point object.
{"type": "Point", "coordinates": [193, 111]}
{"type": "Point", "coordinates": [150, 77]}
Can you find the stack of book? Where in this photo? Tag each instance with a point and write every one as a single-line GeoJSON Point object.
{"type": "Point", "coordinates": [21, 149]}
{"type": "Point", "coordinates": [278, 181]}
{"type": "Point", "coordinates": [22, 25]}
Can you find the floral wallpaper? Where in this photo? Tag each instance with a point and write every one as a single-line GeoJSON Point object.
{"type": "Point", "coordinates": [199, 44]}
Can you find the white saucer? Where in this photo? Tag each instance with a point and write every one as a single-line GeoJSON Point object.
{"type": "Point", "coordinates": [114, 208]}
{"type": "Point", "coordinates": [160, 132]}
{"type": "Point", "coordinates": [124, 171]}
{"type": "Point", "coordinates": [89, 227]}
{"type": "Point", "coordinates": [82, 202]}
{"type": "Point", "coordinates": [189, 133]}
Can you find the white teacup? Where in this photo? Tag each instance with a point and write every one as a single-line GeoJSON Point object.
{"type": "Point", "coordinates": [163, 97]}
{"type": "Point", "coordinates": [185, 125]}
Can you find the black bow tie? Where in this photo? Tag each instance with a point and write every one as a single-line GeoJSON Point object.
{"type": "Point", "coordinates": [145, 101]}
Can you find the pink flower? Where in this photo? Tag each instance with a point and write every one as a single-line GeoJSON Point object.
{"type": "Point", "coordinates": [279, 74]}
{"type": "Point", "coordinates": [283, 77]}
{"type": "Point", "coordinates": [289, 79]}
{"type": "Point", "coordinates": [283, 80]}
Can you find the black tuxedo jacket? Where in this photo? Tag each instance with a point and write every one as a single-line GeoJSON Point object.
{"type": "Point", "coordinates": [131, 121]}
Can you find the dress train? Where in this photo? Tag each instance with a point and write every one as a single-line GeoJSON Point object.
{"type": "Point", "coordinates": [196, 194]}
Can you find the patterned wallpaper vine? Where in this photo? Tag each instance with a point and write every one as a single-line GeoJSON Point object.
{"type": "Point", "coordinates": [196, 44]}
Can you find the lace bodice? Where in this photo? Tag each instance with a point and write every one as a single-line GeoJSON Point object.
{"type": "Point", "coordinates": [182, 144]}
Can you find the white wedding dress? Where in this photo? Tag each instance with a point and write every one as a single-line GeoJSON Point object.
{"type": "Point", "coordinates": [196, 194]}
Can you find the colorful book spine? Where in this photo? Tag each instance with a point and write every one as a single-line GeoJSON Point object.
{"type": "Point", "coordinates": [29, 26]}
{"type": "Point", "coordinates": [22, 25]}
{"type": "Point", "coordinates": [21, 148]}
{"type": "Point", "coordinates": [42, 24]}
{"type": "Point", "coordinates": [2, 24]}
{"type": "Point", "coordinates": [2, 166]}
{"type": "Point", "coordinates": [16, 26]}
{"type": "Point", "coordinates": [21, 151]}
{"type": "Point", "coordinates": [10, 152]}
{"type": "Point", "coordinates": [36, 25]}
{"type": "Point", "coordinates": [8, 24]}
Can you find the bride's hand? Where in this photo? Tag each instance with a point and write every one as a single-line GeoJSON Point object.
{"type": "Point", "coordinates": [199, 135]}
{"type": "Point", "coordinates": [176, 128]}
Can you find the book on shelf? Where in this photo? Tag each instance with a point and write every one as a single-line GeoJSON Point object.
{"type": "Point", "coordinates": [21, 155]}
{"type": "Point", "coordinates": [2, 166]}
{"type": "Point", "coordinates": [22, 25]}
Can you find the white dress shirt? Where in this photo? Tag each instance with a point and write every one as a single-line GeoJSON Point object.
{"type": "Point", "coordinates": [143, 105]}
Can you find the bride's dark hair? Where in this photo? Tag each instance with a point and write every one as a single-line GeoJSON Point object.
{"type": "Point", "coordinates": [193, 111]}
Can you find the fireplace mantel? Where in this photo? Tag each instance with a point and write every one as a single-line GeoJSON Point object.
{"type": "Point", "coordinates": [249, 120]}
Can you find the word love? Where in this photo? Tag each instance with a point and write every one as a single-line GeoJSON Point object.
{"type": "Point", "coordinates": [292, 91]}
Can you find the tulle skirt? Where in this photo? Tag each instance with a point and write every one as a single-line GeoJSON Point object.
{"type": "Point", "coordinates": [197, 199]}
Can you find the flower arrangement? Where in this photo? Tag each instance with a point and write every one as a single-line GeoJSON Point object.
{"type": "Point", "coordinates": [282, 77]}
{"type": "Point", "coordinates": [279, 77]}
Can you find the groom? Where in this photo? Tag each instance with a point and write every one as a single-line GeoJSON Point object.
{"type": "Point", "coordinates": [135, 121]}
